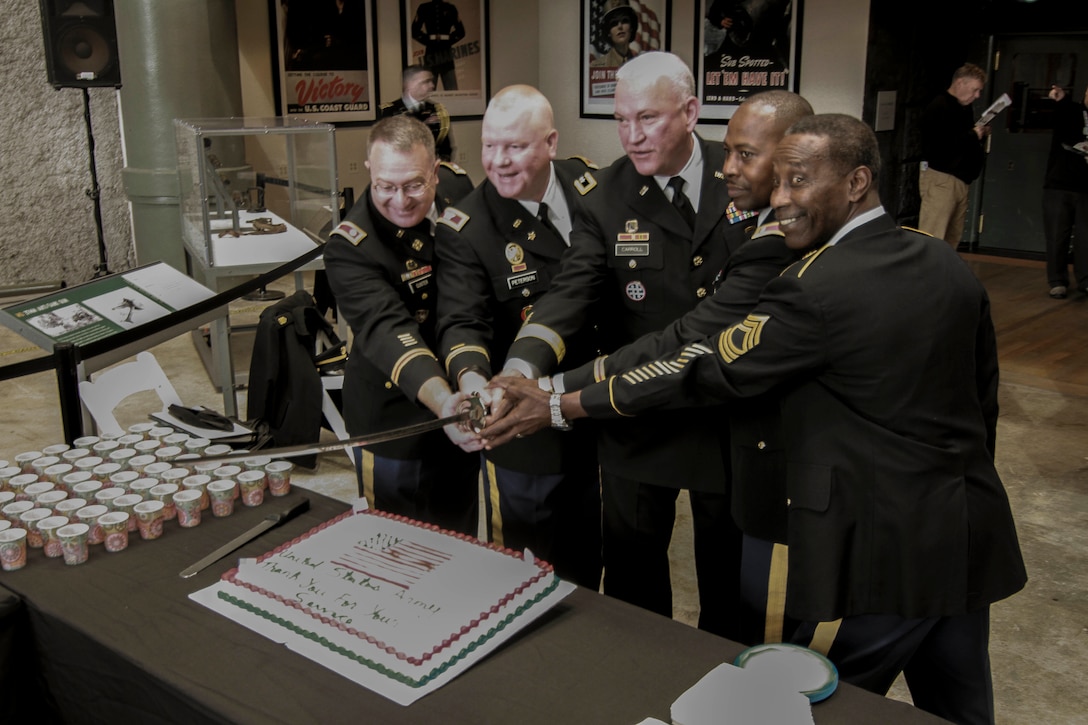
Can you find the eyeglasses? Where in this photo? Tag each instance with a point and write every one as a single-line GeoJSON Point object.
{"type": "Point", "coordinates": [413, 189]}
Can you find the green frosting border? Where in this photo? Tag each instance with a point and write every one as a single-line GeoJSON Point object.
{"type": "Point", "coordinates": [379, 668]}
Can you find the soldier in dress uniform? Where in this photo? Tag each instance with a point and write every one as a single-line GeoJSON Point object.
{"type": "Point", "coordinates": [498, 251]}
{"type": "Point", "coordinates": [417, 85]}
{"type": "Point", "coordinates": [437, 26]}
{"type": "Point", "coordinates": [757, 456]}
{"type": "Point", "coordinates": [642, 249]}
{"type": "Point", "coordinates": [380, 262]}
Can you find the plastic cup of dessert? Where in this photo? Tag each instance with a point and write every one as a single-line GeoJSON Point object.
{"type": "Point", "coordinates": [12, 549]}
{"type": "Point", "coordinates": [221, 493]}
{"type": "Point", "coordinates": [89, 515]}
{"type": "Point", "coordinates": [149, 518]}
{"type": "Point", "coordinates": [115, 530]}
{"type": "Point", "coordinates": [48, 527]}
{"type": "Point", "coordinates": [187, 504]}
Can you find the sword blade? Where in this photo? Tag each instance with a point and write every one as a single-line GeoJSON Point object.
{"type": "Point", "coordinates": [473, 414]}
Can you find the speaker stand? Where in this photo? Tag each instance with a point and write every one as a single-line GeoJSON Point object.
{"type": "Point", "coordinates": [102, 268]}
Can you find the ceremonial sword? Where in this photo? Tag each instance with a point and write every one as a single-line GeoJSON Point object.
{"type": "Point", "coordinates": [471, 414]}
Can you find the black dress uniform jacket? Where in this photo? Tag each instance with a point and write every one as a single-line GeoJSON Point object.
{"type": "Point", "coordinates": [889, 402]}
{"type": "Point", "coordinates": [757, 456]}
{"type": "Point", "coordinates": [383, 279]}
{"type": "Point", "coordinates": [496, 261]}
{"type": "Point", "coordinates": [633, 250]}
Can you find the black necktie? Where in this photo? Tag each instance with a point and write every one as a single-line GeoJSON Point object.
{"type": "Point", "coordinates": [681, 201]}
{"type": "Point", "coordinates": [545, 220]}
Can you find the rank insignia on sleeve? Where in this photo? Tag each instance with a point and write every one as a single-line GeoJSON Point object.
{"type": "Point", "coordinates": [741, 337]}
{"type": "Point", "coordinates": [453, 218]}
{"type": "Point", "coordinates": [585, 183]}
{"type": "Point", "coordinates": [351, 232]}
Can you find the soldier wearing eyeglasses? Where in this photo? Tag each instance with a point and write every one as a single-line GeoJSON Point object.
{"type": "Point", "coordinates": [380, 263]}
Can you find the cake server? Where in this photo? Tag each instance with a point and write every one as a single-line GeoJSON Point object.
{"type": "Point", "coordinates": [268, 522]}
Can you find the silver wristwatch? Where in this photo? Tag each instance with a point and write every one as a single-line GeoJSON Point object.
{"type": "Point", "coordinates": [558, 421]}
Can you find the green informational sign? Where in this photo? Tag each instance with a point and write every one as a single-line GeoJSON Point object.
{"type": "Point", "coordinates": [103, 307]}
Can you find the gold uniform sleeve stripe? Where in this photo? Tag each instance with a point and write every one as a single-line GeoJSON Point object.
{"type": "Point", "coordinates": [463, 349]}
{"type": "Point", "coordinates": [612, 397]}
{"type": "Point", "coordinates": [824, 636]}
{"type": "Point", "coordinates": [750, 331]}
{"type": "Point", "coordinates": [598, 369]}
{"type": "Point", "coordinates": [406, 358]}
{"type": "Point", "coordinates": [546, 334]}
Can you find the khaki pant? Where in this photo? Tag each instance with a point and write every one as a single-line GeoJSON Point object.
{"type": "Point", "coordinates": [944, 205]}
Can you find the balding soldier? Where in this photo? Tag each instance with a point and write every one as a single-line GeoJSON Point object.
{"type": "Point", "coordinates": [499, 250]}
{"type": "Point", "coordinates": [643, 251]}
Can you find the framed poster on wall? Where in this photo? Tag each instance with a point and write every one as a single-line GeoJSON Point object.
{"type": "Point", "coordinates": [451, 38]}
{"type": "Point", "coordinates": [744, 47]}
{"type": "Point", "coordinates": [325, 60]}
{"type": "Point", "coordinates": [613, 32]}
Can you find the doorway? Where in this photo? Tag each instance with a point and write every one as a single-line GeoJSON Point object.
{"type": "Point", "coordinates": [1009, 198]}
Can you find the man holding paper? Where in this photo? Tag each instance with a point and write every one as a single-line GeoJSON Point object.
{"type": "Point", "coordinates": [952, 155]}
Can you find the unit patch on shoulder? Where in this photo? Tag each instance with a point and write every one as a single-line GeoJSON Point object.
{"type": "Point", "coordinates": [454, 168]}
{"type": "Point", "coordinates": [351, 232]}
{"type": "Point", "coordinates": [920, 231]}
{"type": "Point", "coordinates": [741, 337]}
{"type": "Point", "coordinates": [585, 183]}
{"type": "Point", "coordinates": [585, 161]}
{"type": "Point", "coordinates": [453, 218]}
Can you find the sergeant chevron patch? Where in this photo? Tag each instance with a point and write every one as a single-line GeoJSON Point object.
{"type": "Point", "coordinates": [741, 337]}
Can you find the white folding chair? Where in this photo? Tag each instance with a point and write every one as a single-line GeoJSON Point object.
{"type": "Point", "coordinates": [109, 388]}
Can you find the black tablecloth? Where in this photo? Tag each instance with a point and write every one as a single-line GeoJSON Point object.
{"type": "Point", "coordinates": [118, 640]}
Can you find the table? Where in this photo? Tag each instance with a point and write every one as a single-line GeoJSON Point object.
{"type": "Point", "coordinates": [118, 640]}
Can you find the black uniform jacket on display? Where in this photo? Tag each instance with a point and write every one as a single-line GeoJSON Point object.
{"type": "Point", "coordinates": [633, 250]}
{"type": "Point", "coordinates": [496, 261]}
{"type": "Point", "coordinates": [889, 409]}
{"type": "Point", "coordinates": [383, 279]}
{"type": "Point", "coordinates": [756, 454]}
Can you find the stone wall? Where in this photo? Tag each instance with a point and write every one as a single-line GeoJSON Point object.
{"type": "Point", "coordinates": [47, 230]}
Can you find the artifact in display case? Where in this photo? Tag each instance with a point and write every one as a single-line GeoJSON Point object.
{"type": "Point", "coordinates": [255, 191]}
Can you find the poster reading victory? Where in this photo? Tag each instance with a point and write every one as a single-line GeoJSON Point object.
{"type": "Point", "coordinates": [450, 38]}
{"type": "Point", "coordinates": [747, 46]}
{"type": "Point", "coordinates": [613, 32]}
{"type": "Point", "coordinates": [326, 65]}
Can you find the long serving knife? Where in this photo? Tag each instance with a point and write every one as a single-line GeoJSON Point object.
{"type": "Point", "coordinates": [268, 522]}
{"type": "Point", "coordinates": [471, 414]}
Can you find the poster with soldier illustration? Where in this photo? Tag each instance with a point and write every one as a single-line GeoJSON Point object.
{"type": "Point", "coordinates": [744, 47]}
{"type": "Point", "coordinates": [325, 61]}
{"type": "Point", "coordinates": [613, 32]}
{"type": "Point", "coordinates": [449, 37]}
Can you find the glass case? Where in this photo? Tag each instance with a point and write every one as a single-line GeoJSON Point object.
{"type": "Point", "coordinates": [255, 191]}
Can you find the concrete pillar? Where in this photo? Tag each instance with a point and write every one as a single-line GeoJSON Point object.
{"type": "Point", "coordinates": [179, 59]}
